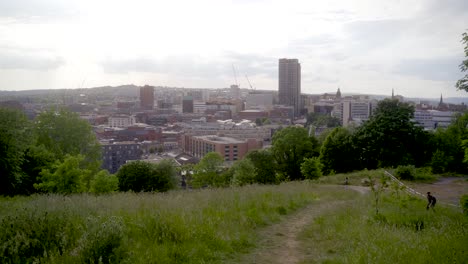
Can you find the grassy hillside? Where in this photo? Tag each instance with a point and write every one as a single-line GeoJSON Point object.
{"type": "Point", "coordinates": [217, 225]}
{"type": "Point", "coordinates": [181, 226]}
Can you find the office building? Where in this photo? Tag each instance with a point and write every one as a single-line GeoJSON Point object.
{"type": "Point", "coordinates": [147, 97]}
{"type": "Point", "coordinates": [230, 149]}
{"type": "Point", "coordinates": [187, 104]}
{"type": "Point", "coordinates": [289, 84]}
{"type": "Point", "coordinates": [116, 154]}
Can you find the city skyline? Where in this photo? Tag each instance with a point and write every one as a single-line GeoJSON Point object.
{"type": "Point", "coordinates": [367, 47]}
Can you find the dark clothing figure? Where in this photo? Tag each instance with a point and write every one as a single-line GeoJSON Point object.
{"type": "Point", "coordinates": [431, 201]}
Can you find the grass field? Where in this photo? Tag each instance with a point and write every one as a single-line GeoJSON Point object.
{"type": "Point", "coordinates": [227, 225]}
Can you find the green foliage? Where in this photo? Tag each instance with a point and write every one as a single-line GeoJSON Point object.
{"type": "Point", "coordinates": [30, 233]}
{"type": "Point", "coordinates": [351, 234]}
{"type": "Point", "coordinates": [406, 172]}
{"type": "Point", "coordinates": [64, 177]}
{"type": "Point", "coordinates": [265, 167]}
{"type": "Point", "coordinates": [205, 226]}
{"type": "Point", "coordinates": [464, 204]}
{"type": "Point", "coordinates": [15, 138]}
{"type": "Point", "coordinates": [390, 138]}
{"type": "Point", "coordinates": [290, 146]}
{"type": "Point", "coordinates": [207, 171]}
{"type": "Point", "coordinates": [311, 168]}
{"type": "Point", "coordinates": [462, 84]}
{"type": "Point", "coordinates": [102, 240]}
{"type": "Point", "coordinates": [243, 172]}
{"type": "Point", "coordinates": [338, 152]}
{"type": "Point", "coordinates": [322, 120]}
{"type": "Point", "coordinates": [449, 153]}
{"type": "Point", "coordinates": [144, 176]}
{"type": "Point", "coordinates": [465, 147]}
{"type": "Point", "coordinates": [36, 159]}
{"type": "Point", "coordinates": [63, 132]}
{"type": "Point", "coordinates": [377, 187]}
{"type": "Point", "coordinates": [103, 182]}
{"type": "Point", "coordinates": [440, 162]}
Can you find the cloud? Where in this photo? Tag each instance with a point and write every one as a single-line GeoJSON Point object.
{"type": "Point", "coordinates": [26, 9]}
{"type": "Point", "coordinates": [27, 60]}
{"type": "Point", "coordinates": [434, 69]}
{"type": "Point", "coordinates": [196, 67]}
{"type": "Point", "coordinates": [369, 35]}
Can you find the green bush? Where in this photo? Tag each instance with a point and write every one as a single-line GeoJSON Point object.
{"type": "Point", "coordinates": [311, 168]}
{"type": "Point", "coordinates": [144, 176]}
{"type": "Point", "coordinates": [104, 182]}
{"type": "Point", "coordinates": [425, 174]}
{"type": "Point", "coordinates": [102, 240]}
{"type": "Point", "coordinates": [464, 203]}
{"type": "Point", "coordinates": [407, 172]}
{"type": "Point", "coordinates": [28, 234]}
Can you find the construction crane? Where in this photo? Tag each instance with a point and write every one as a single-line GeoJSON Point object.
{"type": "Point", "coordinates": [251, 87]}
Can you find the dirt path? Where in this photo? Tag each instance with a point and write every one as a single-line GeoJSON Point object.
{"type": "Point", "coordinates": [447, 190]}
{"type": "Point", "coordinates": [279, 243]}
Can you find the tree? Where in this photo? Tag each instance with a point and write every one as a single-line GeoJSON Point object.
{"type": "Point", "coordinates": [311, 168]}
{"type": "Point", "coordinates": [243, 172]}
{"type": "Point", "coordinates": [338, 153]}
{"type": "Point", "coordinates": [103, 182]}
{"type": "Point", "coordinates": [264, 165]}
{"type": "Point", "coordinates": [448, 147]}
{"type": "Point", "coordinates": [64, 177]}
{"type": "Point", "coordinates": [290, 146]}
{"type": "Point", "coordinates": [63, 132]}
{"type": "Point", "coordinates": [462, 84]}
{"type": "Point", "coordinates": [322, 120]}
{"type": "Point", "coordinates": [15, 139]}
{"type": "Point", "coordinates": [389, 137]}
{"type": "Point", "coordinates": [207, 171]}
{"type": "Point", "coordinates": [36, 159]}
{"type": "Point", "coordinates": [144, 176]}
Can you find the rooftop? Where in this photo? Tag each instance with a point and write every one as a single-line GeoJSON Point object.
{"type": "Point", "coordinates": [227, 140]}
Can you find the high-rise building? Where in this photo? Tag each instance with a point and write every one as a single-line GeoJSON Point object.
{"type": "Point", "coordinates": [187, 104]}
{"type": "Point", "coordinates": [147, 97]}
{"type": "Point", "coordinates": [289, 84]}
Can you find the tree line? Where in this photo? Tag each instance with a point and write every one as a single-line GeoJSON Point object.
{"type": "Point", "coordinates": [59, 153]}
{"type": "Point", "coordinates": [390, 138]}
{"type": "Point", "coordinates": [56, 152]}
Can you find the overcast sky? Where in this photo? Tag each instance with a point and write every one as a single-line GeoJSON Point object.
{"type": "Point", "coordinates": [361, 46]}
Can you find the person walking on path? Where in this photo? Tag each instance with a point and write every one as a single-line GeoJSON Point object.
{"type": "Point", "coordinates": [431, 201]}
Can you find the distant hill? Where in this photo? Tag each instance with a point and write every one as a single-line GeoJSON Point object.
{"type": "Point", "coordinates": [131, 90]}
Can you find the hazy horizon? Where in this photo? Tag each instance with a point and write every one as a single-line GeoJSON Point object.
{"type": "Point", "coordinates": [361, 46]}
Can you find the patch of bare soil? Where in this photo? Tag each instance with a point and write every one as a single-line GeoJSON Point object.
{"type": "Point", "coordinates": [447, 190]}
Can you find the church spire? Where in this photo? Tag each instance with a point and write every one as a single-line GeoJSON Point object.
{"type": "Point", "coordinates": [441, 101]}
{"type": "Point", "coordinates": [338, 94]}
{"type": "Point", "coordinates": [393, 94]}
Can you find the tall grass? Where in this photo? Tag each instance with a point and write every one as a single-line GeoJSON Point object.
{"type": "Point", "coordinates": [177, 227]}
{"type": "Point", "coordinates": [403, 232]}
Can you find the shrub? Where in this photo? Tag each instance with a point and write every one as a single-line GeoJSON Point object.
{"type": "Point", "coordinates": [243, 172]}
{"type": "Point", "coordinates": [311, 168]}
{"type": "Point", "coordinates": [102, 240]}
{"type": "Point", "coordinates": [440, 162]}
{"type": "Point", "coordinates": [29, 234]}
{"type": "Point", "coordinates": [464, 203]}
{"type": "Point", "coordinates": [144, 176]}
{"type": "Point", "coordinates": [406, 172]}
{"type": "Point", "coordinates": [104, 182]}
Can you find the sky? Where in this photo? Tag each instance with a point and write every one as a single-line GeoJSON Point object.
{"type": "Point", "coordinates": [360, 46]}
